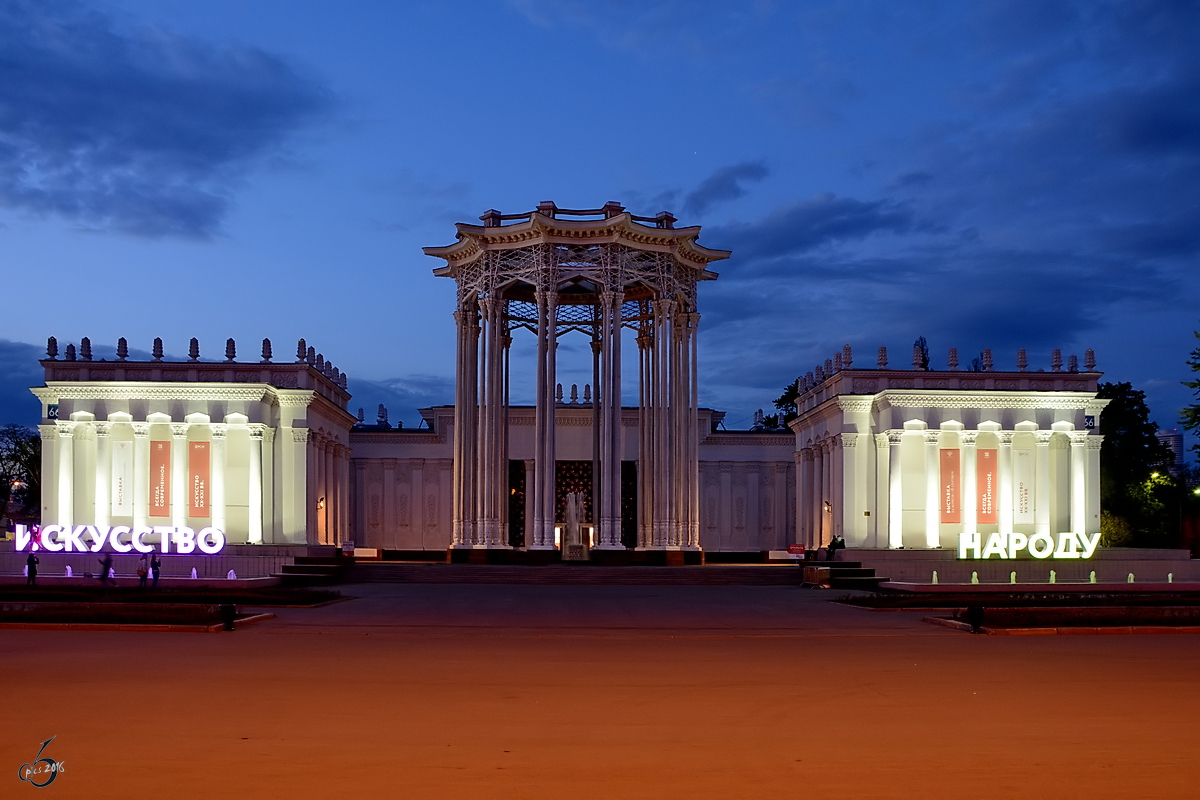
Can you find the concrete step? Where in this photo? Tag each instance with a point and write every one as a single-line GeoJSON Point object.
{"type": "Point", "coordinates": [583, 574]}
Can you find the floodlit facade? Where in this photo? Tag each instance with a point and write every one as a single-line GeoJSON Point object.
{"type": "Point", "coordinates": [259, 451]}
{"type": "Point", "coordinates": [912, 459]}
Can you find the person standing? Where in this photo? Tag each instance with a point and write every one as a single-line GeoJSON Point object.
{"type": "Point", "coordinates": [105, 568]}
{"type": "Point", "coordinates": [155, 568]}
{"type": "Point", "coordinates": [143, 571]}
{"type": "Point", "coordinates": [31, 570]}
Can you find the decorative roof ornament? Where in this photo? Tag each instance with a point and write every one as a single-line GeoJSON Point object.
{"type": "Point", "coordinates": [194, 350]}
{"type": "Point", "coordinates": [809, 380]}
{"type": "Point", "coordinates": [587, 393]}
{"type": "Point", "coordinates": [122, 349]}
{"type": "Point", "coordinates": [52, 348]}
{"type": "Point", "coordinates": [881, 359]}
{"type": "Point", "coordinates": [381, 418]}
{"type": "Point", "coordinates": [311, 356]}
{"type": "Point", "coordinates": [266, 351]}
{"type": "Point", "coordinates": [918, 359]}
{"type": "Point", "coordinates": [987, 359]}
{"type": "Point", "coordinates": [360, 415]}
{"type": "Point", "coordinates": [157, 350]}
{"type": "Point", "coordinates": [1022, 361]}
{"type": "Point", "coordinates": [837, 362]}
{"type": "Point", "coordinates": [819, 374]}
{"type": "Point", "coordinates": [828, 366]}
{"type": "Point", "coordinates": [1089, 360]}
{"type": "Point", "coordinates": [952, 360]}
{"type": "Point", "coordinates": [320, 365]}
{"type": "Point", "coordinates": [1072, 363]}
{"type": "Point", "coordinates": [847, 356]}
{"type": "Point", "coordinates": [85, 349]}
{"type": "Point", "coordinates": [230, 350]}
{"type": "Point", "coordinates": [70, 352]}
{"type": "Point", "coordinates": [1056, 360]}
{"type": "Point", "coordinates": [301, 351]}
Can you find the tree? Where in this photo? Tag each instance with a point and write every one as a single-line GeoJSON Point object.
{"type": "Point", "coordinates": [1135, 491]}
{"type": "Point", "coordinates": [921, 353]}
{"type": "Point", "coordinates": [786, 402]}
{"type": "Point", "coordinates": [20, 468]}
{"type": "Point", "coordinates": [1190, 416]}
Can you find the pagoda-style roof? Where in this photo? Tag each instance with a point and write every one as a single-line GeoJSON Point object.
{"type": "Point", "coordinates": [549, 224]}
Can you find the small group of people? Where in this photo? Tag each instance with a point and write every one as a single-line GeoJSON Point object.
{"type": "Point", "coordinates": [147, 568]}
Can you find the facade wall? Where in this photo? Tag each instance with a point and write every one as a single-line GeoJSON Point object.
{"type": "Point", "coordinates": [402, 479]}
{"type": "Point", "coordinates": [894, 459]}
{"type": "Point", "coordinates": [264, 445]}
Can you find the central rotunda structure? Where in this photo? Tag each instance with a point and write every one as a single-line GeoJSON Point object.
{"type": "Point", "coordinates": [553, 271]}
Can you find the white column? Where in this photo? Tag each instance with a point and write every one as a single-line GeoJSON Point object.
{"type": "Point", "coordinates": [530, 531]}
{"type": "Point", "coordinates": [878, 529]}
{"type": "Point", "coordinates": [895, 492]}
{"type": "Point", "coordinates": [1079, 482]}
{"type": "Point", "coordinates": [1092, 521]}
{"type": "Point", "coordinates": [802, 458]}
{"type": "Point", "coordinates": [141, 474]}
{"type": "Point", "coordinates": [542, 491]}
{"type": "Point", "coordinates": [66, 473]}
{"type": "Point", "coordinates": [816, 509]}
{"type": "Point", "coordinates": [1041, 500]}
{"type": "Point", "coordinates": [970, 497]}
{"type": "Point", "coordinates": [49, 509]}
{"type": "Point", "coordinates": [1004, 466]}
{"type": "Point", "coordinates": [330, 474]}
{"type": "Point", "coordinates": [255, 506]}
{"type": "Point", "coordinates": [268, 484]}
{"type": "Point", "coordinates": [608, 515]}
{"type": "Point", "coordinates": [103, 475]}
{"type": "Point", "coordinates": [932, 490]}
{"type": "Point", "coordinates": [179, 474]}
{"type": "Point", "coordinates": [217, 479]}
{"type": "Point", "coordinates": [693, 428]}
{"type": "Point", "coordinates": [460, 476]}
{"type": "Point", "coordinates": [645, 428]}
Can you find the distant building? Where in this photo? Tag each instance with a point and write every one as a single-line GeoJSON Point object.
{"type": "Point", "coordinates": [1174, 440]}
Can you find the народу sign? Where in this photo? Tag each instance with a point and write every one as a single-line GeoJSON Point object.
{"type": "Point", "coordinates": [971, 546]}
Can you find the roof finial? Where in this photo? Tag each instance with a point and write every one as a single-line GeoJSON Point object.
{"type": "Point", "coordinates": [52, 348]}
{"type": "Point", "coordinates": [1022, 360]}
{"type": "Point", "coordinates": [230, 350]}
{"type": "Point", "coordinates": [953, 359]}
{"type": "Point", "coordinates": [266, 351]}
{"type": "Point", "coordinates": [122, 349]}
{"type": "Point", "coordinates": [194, 350]}
{"type": "Point", "coordinates": [1056, 360]}
{"type": "Point", "coordinates": [85, 349]}
{"type": "Point", "coordinates": [881, 359]}
{"type": "Point", "coordinates": [1089, 360]}
{"type": "Point", "coordinates": [157, 350]}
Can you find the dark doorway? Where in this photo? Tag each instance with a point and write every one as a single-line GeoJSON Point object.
{"type": "Point", "coordinates": [516, 503]}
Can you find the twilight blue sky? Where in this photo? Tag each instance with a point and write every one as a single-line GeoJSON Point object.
{"type": "Point", "coordinates": [985, 174]}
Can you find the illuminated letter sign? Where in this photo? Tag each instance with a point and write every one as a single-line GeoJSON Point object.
{"type": "Point", "coordinates": [55, 538]}
{"type": "Point", "coordinates": [122, 479]}
{"type": "Point", "coordinates": [198, 469]}
{"type": "Point", "coordinates": [985, 481]}
{"type": "Point", "coordinates": [951, 486]}
{"type": "Point", "coordinates": [974, 546]}
{"type": "Point", "coordinates": [160, 479]}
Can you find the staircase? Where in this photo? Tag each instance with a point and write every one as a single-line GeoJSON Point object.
{"type": "Point", "coordinates": [573, 574]}
{"type": "Point", "coordinates": [847, 575]}
{"type": "Point", "coordinates": [323, 566]}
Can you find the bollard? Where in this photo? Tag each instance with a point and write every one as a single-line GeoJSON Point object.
{"type": "Point", "coordinates": [228, 612]}
{"type": "Point", "coordinates": [975, 617]}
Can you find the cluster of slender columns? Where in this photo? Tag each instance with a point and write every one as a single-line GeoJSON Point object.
{"type": "Point", "coordinates": [329, 482]}
{"type": "Point", "coordinates": [668, 466]}
{"type": "Point", "coordinates": [481, 425]}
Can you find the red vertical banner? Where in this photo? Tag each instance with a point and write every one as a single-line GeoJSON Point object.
{"type": "Point", "coordinates": [198, 470]}
{"type": "Point", "coordinates": [160, 479]}
{"type": "Point", "coordinates": [985, 482]}
{"type": "Point", "coordinates": [951, 486]}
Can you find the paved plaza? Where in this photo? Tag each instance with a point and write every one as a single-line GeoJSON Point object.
{"type": "Point", "coordinates": [423, 691]}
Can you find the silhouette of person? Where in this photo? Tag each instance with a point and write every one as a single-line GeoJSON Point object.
{"type": "Point", "coordinates": [143, 571]}
{"type": "Point", "coordinates": [105, 568]}
{"type": "Point", "coordinates": [155, 568]}
{"type": "Point", "coordinates": [31, 564]}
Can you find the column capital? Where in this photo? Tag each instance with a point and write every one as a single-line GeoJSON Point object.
{"type": "Point", "coordinates": [101, 428]}
{"type": "Point", "coordinates": [48, 432]}
{"type": "Point", "coordinates": [1043, 438]}
{"type": "Point", "coordinates": [65, 429]}
{"type": "Point", "coordinates": [968, 438]}
{"type": "Point", "coordinates": [1006, 437]}
{"type": "Point", "coordinates": [881, 441]}
{"type": "Point", "coordinates": [140, 429]}
{"type": "Point", "coordinates": [218, 430]}
{"type": "Point", "coordinates": [299, 435]}
{"type": "Point", "coordinates": [1095, 441]}
{"type": "Point", "coordinates": [256, 430]}
{"type": "Point", "coordinates": [1078, 438]}
{"type": "Point", "coordinates": [894, 437]}
{"type": "Point", "coordinates": [179, 430]}
{"type": "Point", "coordinates": [848, 439]}
{"type": "Point", "coordinates": [931, 437]}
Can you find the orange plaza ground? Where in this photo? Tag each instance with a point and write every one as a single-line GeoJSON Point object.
{"type": "Point", "coordinates": [414, 691]}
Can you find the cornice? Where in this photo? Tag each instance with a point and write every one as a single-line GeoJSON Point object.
{"type": "Point", "coordinates": [1023, 400]}
{"type": "Point", "coordinates": [151, 391]}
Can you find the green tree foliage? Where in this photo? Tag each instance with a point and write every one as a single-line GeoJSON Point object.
{"type": "Point", "coordinates": [1190, 416]}
{"type": "Point", "coordinates": [1140, 500]}
{"type": "Point", "coordinates": [20, 468]}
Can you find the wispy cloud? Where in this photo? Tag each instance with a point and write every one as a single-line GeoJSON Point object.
{"type": "Point", "coordinates": [139, 131]}
{"type": "Point", "coordinates": [727, 183]}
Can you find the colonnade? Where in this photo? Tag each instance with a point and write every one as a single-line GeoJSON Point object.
{"type": "Point", "coordinates": [923, 487]}
{"type": "Point", "coordinates": [668, 452]}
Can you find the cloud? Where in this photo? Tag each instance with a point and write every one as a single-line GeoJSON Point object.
{"type": "Point", "coordinates": [19, 370]}
{"type": "Point", "coordinates": [804, 225]}
{"type": "Point", "coordinates": [723, 185]}
{"type": "Point", "coordinates": [139, 131]}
